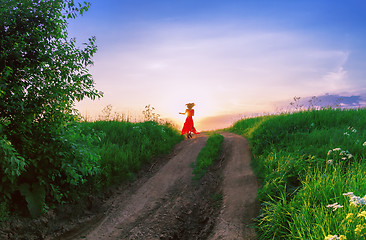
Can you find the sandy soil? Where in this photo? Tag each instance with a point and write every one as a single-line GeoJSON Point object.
{"type": "Point", "coordinates": [164, 202]}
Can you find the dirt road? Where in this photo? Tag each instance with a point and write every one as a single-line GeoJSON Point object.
{"type": "Point", "coordinates": [166, 203]}
{"type": "Point", "coordinates": [239, 190]}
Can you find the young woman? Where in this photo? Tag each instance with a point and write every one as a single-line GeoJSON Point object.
{"type": "Point", "coordinates": [188, 127]}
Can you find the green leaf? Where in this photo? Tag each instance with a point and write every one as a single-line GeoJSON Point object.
{"type": "Point", "coordinates": [43, 75]}
{"type": "Point", "coordinates": [35, 198]}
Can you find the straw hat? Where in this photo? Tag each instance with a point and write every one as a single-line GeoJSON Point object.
{"type": "Point", "coordinates": [190, 105]}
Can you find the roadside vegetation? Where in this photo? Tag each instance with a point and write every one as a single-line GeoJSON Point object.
{"type": "Point", "coordinates": [208, 154]}
{"type": "Point", "coordinates": [125, 146]}
{"type": "Point", "coordinates": [312, 167]}
{"type": "Point", "coordinates": [99, 154]}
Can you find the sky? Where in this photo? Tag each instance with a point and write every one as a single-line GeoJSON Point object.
{"type": "Point", "coordinates": [232, 58]}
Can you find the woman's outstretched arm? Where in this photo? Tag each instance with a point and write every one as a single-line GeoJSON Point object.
{"type": "Point", "coordinates": [183, 113]}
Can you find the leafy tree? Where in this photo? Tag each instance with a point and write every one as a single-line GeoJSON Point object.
{"type": "Point", "coordinates": [42, 75]}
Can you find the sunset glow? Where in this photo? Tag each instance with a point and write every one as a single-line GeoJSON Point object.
{"type": "Point", "coordinates": [231, 58]}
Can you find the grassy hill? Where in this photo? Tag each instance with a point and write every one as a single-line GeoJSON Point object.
{"type": "Point", "coordinates": [312, 169]}
{"type": "Point", "coordinates": [124, 146]}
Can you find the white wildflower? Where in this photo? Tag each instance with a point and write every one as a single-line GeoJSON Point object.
{"type": "Point", "coordinates": [364, 144]}
{"type": "Point", "coordinates": [348, 194]}
{"type": "Point", "coordinates": [352, 129]}
{"type": "Point", "coordinates": [337, 149]}
{"type": "Point", "coordinates": [330, 151]}
{"type": "Point", "coordinates": [334, 206]}
{"type": "Point", "coordinates": [355, 200]}
{"type": "Point", "coordinates": [345, 154]}
{"type": "Point", "coordinates": [330, 162]}
{"type": "Point", "coordinates": [346, 133]}
{"type": "Point", "coordinates": [334, 237]}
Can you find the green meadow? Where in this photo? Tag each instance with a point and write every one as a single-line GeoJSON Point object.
{"type": "Point", "coordinates": [312, 169]}
{"type": "Point", "coordinates": [125, 146]}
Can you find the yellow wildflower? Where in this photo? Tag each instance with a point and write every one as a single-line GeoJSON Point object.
{"type": "Point", "coordinates": [349, 217]}
{"type": "Point", "coordinates": [358, 229]}
{"type": "Point", "coordinates": [362, 214]}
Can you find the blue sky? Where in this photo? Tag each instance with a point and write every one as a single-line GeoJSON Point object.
{"type": "Point", "coordinates": [229, 57]}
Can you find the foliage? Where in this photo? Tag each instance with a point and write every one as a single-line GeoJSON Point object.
{"type": "Point", "coordinates": [12, 165]}
{"type": "Point", "coordinates": [35, 197]}
{"type": "Point", "coordinates": [307, 161]}
{"type": "Point", "coordinates": [4, 211]}
{"type": "Point", "coordinates": [42, 75]}
{"type": "Point", "coordinates": [208, 154]}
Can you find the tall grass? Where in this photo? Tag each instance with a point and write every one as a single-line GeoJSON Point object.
{"type": "Point", "coordinates": [306, 161]}
{"type": "Point", "coordinates": [124, 146]}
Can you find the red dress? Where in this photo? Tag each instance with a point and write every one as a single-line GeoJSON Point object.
{"type": "Point", "coordinates": [189, 125]}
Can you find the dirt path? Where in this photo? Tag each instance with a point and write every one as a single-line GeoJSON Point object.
{"type": "Point", "coordinates": [164, 202]}
{"type": "Point", "coordinates": [239, 190]}
{"type": "Point", "coordinates": [127, 211]}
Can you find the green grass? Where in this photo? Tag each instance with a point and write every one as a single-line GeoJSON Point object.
{"type": "Point", "coordinates": [299, 178]}
{"type": "Point", "coordinates": [208, 154]}
{"type": "Point", "coordinates": [125, 146]}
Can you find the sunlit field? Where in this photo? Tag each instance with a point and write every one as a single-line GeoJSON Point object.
{"type": "Point", "coordinates": [312, 169]}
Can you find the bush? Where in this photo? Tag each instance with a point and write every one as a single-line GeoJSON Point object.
{"type": "Point", "coordinates": [42, 75]}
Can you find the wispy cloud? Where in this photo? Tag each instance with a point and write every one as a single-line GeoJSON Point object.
{"type": "Point", "coordinates": [337, 80]}
{"type": "Point", "coordinates": [225, 68]}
